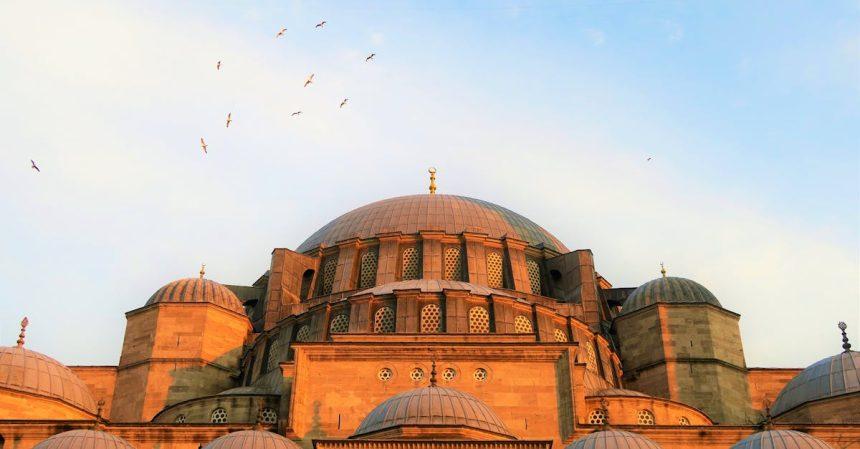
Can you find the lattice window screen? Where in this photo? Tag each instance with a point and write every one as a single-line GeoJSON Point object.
{"type": "Point", "coordinates": [591, 357]}
{"type": "Point", "coordinates": [268, 416]}
{"type": "Point", "coordinates": [522, 325]}
{"type": "Point", "coordinates": [560, 336]}
{"type": "Point", "coordinates": [367, 270]}
{"type": "Point", "coordinates": [328, 271]}
{"type": "Point", "coordinates": [534, 275]}
{"type": "Point", "coordinates": [453, 264]}
{"type": "Point", "coordinates": [683, 421]}
{"type": "Point", "coordinates": [339, 324]}
{"type": "Point", "coordinates": [383, 320]}
{"type": "Point", "coordinates": [274, 354]}
{"type": "Point", "coordinates": [304, 333]}
{"type": "Point", "coordinates": [479, 320]}
{"type": "Point", "coordinates": [597, 416]}
{"type": "Point", "coordinates": [645, 418]}
{"type": "Point", "coordinates": [431, 319]}
{"type": "Point", "coordinates": [219, 416]}
{"type": "Point", "coordinates": [495, 270]}
{"type": "Point", "coordinates": [411, 264]}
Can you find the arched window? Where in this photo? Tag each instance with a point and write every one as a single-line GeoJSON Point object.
{"type": "Point", "coordinates": [479, 320]}
{"type": "Point", "coordinates": [590, 357]}
{"type": "Point", "coordinates": [560, 336]}
{"type": "Point", "coordinates": [411, 264]}
{"type": "Point", "coordinates": [307, 278]}
{"type": "Point", "coordinates": [303, 333]}
{"type": "Point", "coordinates": [339, 324]}
{"type": "Point", "coordinates": [644, 418]}
{"type": "Point", "coordinates": [180, 419]}
{"type": "Point", "coordinates": [268, 416]}
{"type": "Point", "coordinates": [383, 320]}
{"type": "Point", "coordinates": [534, 275]}
{"type": "Point", "coordinates": [683, 421]}
{"type": "Point", "coordinates": [453, 264]}
{"type": "Point", "coordinates": [219, 416]}
{"type": "Point", "coordinates": [597, 416]}
{"type": "Point", "coordinates": [274, 354]}
{"type": "Point", "coordinates": [431, 319]}
{"type": "Point", "coordinates": [522, 325]}
{"type": "Point", "coordinates": [367, 269]}
{"type": "Point", "coordinates": [329, 267]}
{"type": "Point", "coordinates": [495, 270]}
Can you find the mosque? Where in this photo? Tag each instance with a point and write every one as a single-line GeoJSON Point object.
{"type": "Point", "coordinates": [429, 321]}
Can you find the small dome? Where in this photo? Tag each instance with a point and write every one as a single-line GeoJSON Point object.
{"type": "Point", "coordinates": [618, 392]}
{"type": "Point", "coordinates": [668, 290]}
{"type": "Point", "coordinates": [198, 290]}
{"type": "Point", "coordinates": [432, 405]}
{"type": "Point", "coordinates": [781, 439]}
{"type": "Point", "coordinates": [252, 439]}
{"type": "Point", "coordinates": [35, 373]}
{"type": "Point", "coordinates": [613, 439]}
{"type": "Point", "coordinates": [833, 376]}
{"type": "Point", "coordinates": [84, 439]}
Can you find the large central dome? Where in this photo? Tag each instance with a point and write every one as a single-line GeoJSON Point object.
{"type": "Point", "coordinates": [449, 213]}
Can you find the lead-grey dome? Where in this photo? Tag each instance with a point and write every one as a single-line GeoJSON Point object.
{"type": "Point", "coordinates": [781, 439]}
{"type": "Point", "coordinates": [833, 376]}
{"type": "Point", "coordinates": [672, 290]}
{"type": "Point", "coordinates": [613, 439]}
{"type": "Point", "coordinates": [432, 405]}
{"type": "Point", "coordinates": [84, 439]}
{"type": "Point", "coordinates": [252, 439]}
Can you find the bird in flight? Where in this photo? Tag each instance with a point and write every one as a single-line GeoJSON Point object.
{"type": "Point", "coordinates": [281, 33]}
{"type": "Point", "coordinates": [295, 113]}
{"type": "Point", "coordinates": [218, 66]}
{"type": "Point", "coordinates": [649, 159]}
{"type": "Point", "coordinates": [343, 103]}
{"type": "Point", "coordinates": [321, 24]}
{"type": "Point", "coordinates": [369, 57]}
{"type": "Point", "coordinates": [310, 80]}
{"type": "Point", "coordinates": [203, 145]}
{"type": "Point", "coordinates": [229, 118]}
{"type": "Point", "coordinates": [34, 167]}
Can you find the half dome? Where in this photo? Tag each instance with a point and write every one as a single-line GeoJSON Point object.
{"type": "Point", "coordinates": [613, 439]}
{"type": "Point", "coordinates": [449, 213]}
{"type": "Point", "coordinates": [781, 439]}
{"type": "Point", "coordinates": [84, 439]}
{"type": "Point", "coordinates": [31, 372]}
{"type": "Point", "coordinates": [198, 290]}
{"type": "Point", "coordinates": [432, 406]}
{"type": "Point", "coordinates": [672, 290]}
{"type": "Point", "coordinates": [833, 376]}
{"type": "Point", "coordinates": [252, 439]}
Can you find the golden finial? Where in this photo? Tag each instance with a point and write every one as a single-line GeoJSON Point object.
{"type": "Point", "coordinates": [432, 171]}
{"type": "Point", "coordinates": [24, 324]}
{"type": "Point", "coordinates": [662, 269]}
{"type": "Point", "coordinates": [202, 270]}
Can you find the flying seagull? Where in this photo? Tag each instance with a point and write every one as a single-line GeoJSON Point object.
{"type": "Point", "coordinates": [281, 33]}
{"type": "Point", "coordinates": [34, 167]}
{"type": "Point", "coordinates": [295, 113]}
{"type": "Point", "coordinates": [310, 80]}
{"type": "Point", "coordinates": [229, 118]}
{"type": "Point", "coordinates": [649, 159]}
{"type": "Point", "coordinates": [218, 66]}
{"type": "Point", "coordinates": [321, 24]}
{"type": "Point", "coordinates": [343, 103]}
{"type": "Point", "coordinates": [203, 145]}
{"type": "Point", "coordinates": [369, 57]}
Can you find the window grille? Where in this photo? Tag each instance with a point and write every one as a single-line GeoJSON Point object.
{"type": "Point", "coordinates": [411, 266]}
{"type": "Point", "coordinates": [274, 354]}
{"type": "Point", "coordinates": [367, 270]}
{"type": "Point", "coordinates": [480, 375]}
{"type": "Point", "coordinates": [560, 336]}
{"type": "Point", "coordinates": [328, 271]}
{"type": "Point", "coordinates": [534, 275]}
{"type": "Point", "coordinates": [339, 324]}
{"type": "Point", "coordinates": [597, 416]}
{"type": "Point", "coordinates": [495, 276]}
{"type": "Point", "coordinates": [453, 264]}
{"type": "Point", "coordinates": [180, 419]}
{"type": "Point", "coordinates": [219, 416]}
{"type": "Point", "coordinates": [645, 418]}
{"type": "Point", "coordinates": [268, 416]}
{"type": "Point", "coordinates": [683, 421]}
{"type": "Point", "coordinates": [304, 333]}
{"type": "Point", "coordinates": [383, 320]}
{"type": "Point", "coordinates": [479, 320]}
{"type": "Point", "coordinates": [416, 374]}
{"type": "Point", "coordinates": [591, 357]}
{"type": "Point", "coordinates": [431, 319]}
{"type": "Point", "coordinates": [449, 374]}
{"type": "Point", "coordinates": [522, 325]}
{"type": "Point", "coordinates": [385, 374]}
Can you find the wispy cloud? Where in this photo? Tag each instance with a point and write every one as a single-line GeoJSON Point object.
{"type": "Point", "coordinates": [595, 36]}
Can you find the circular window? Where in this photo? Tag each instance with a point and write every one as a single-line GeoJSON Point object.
{"type": "Point", "coordinates": [416, 374]}
{"type": "Point", "coordinates": [645, 418]}
{"type": "Point", "coordinates": [268, 416]}
{"type": "Point", "coordinates": [683, 421]}
{"type": "Point", "coordinates": [219, 416]}
{"type": "Point", "coordinates": [179, 419]}
{"type": "Point", "coordinates": [385, 374]}
{"type": "Point", "coordinates": [597, 416]}
{"type": "Point", "coordinates": [480, 374]}
{"type": "Point", "coordinates": [449, 374]}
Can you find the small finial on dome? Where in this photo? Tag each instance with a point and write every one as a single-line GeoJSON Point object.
{"type": "Point", "coordinates": [433, 373]}
{"type": "Point", "coordinates": [24, 324]}
{"type": "Point", "coordinates": [662, 269]}
{"type": "Point", "coordinates": [845, 345]}
{"type": "Point", "coordinates": [202, 270]}
{"type": "Point", "coordinates": [432, 171]}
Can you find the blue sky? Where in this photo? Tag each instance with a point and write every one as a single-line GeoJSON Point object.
{"type": "Point", "coordinates": [750, 110]}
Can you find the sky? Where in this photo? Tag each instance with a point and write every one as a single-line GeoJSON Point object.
{"type": "Point", "coordinates": [749, 111]}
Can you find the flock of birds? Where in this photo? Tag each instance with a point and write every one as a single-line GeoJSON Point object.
{"type": "Point", "coordinates": [308, 82]}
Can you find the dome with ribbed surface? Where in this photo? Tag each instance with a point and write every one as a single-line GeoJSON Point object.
{"type": "Point", "coordinates": [32, 372]}
{"type": "Point", "coordinates": [432, 405]}
{"type": "Point", "coordinates": [613, 439]}
{"type": "Point", "coordinates": [448, 213]}
{"type": "Point", "coordinates": [833, 376]}
{"type": "Point", "coordinates": [672, 290]}
{"type": "Point", "coordinates": [781, 439]}
{"type": "Point", "coordinates": [252, 439]}
{"type": "Point", "coordinates": [84, 439]}
{"type": "Point", "coordinates": [196, 290]}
